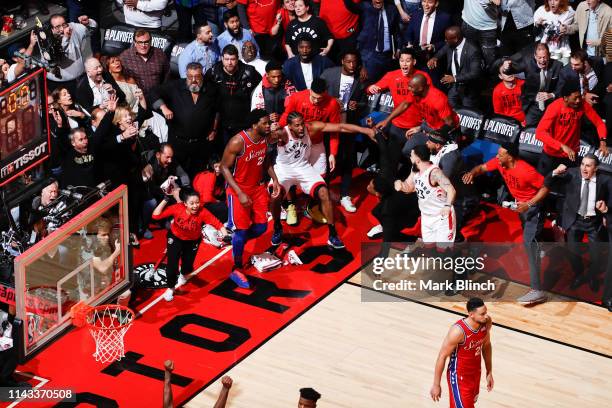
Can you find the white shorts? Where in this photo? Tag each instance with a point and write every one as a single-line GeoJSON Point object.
{"type": "Point", "coordinates": [305, 176]}
{"type": "Point", "coordinates": [318, 158]}
{"type": "Point", "coordinates": [436, 229]}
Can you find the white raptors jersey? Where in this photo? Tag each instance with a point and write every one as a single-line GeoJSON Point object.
{"type": "Point", "coordinates": [296, 151]}
{"type": "Point", "coordinates": [431, 199]}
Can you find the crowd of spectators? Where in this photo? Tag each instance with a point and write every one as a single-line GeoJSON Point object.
{"type": "Point", "coordinates": [130, 119]}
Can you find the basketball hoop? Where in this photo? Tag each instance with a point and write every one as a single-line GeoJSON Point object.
{"type": "Point", "coordinates": [107, 325]}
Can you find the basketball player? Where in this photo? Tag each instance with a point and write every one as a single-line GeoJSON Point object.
{"type": "Point", "coordinates": [315, 104]}
{"type": "Point", "coordinates": [293, 168]}
{"type": "Point", "coordinates": [308, 398]}
{"type": "Point", "coordinates": [435, 194]}
{"type": "Point", "coordinates": [467, 340]}
{"type": "Point", "coordinates": [247, 197]}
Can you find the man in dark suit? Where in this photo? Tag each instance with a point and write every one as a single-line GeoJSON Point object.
{"type": "Point", "coordinates": [541, 80]}
{"type": "Point", "coordinates": [587, 73]}
{"type": "Point", "coordinates": [395, 210]}
{"type": "Point", "coordinates": [192, 104]}
{"type": "Point", "coordinates": [426, 29]}
{"type": "Point", "coordinates": [607, 290]}
{"type": "Point", "coordinates": [585, 192]}
{"type": "Point", "coordinates": [343, 83]}
{"type": "Point", "coordinates": [302, 69]}
{"type": "Point", "coordinates": [463, 69]}
{"type": "Point", "coordinates": [95, 86]}
{"type": "Point", "coordinates": [379, 37]}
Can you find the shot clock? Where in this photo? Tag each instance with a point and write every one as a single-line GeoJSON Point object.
{"type": "Point", "coordinates": [24, 136]}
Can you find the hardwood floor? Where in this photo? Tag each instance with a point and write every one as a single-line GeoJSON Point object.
{"type": "Point", "coordinates": [381, 354]}
{"type": "Point", "coordinates": [580, 324]}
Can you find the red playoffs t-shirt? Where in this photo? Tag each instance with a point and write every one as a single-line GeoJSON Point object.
{"type": "Point", "coordinates": [261, 14]}
{"type": "Point", "coordinates": [435, 107]}
{"type": "Point", "coordinates": [326, 111]}
{"type": "Point", "coordinates": [561, 125]}
{"type": "Point", "coordinates": [522, 180]}
{"type": "Point", "coordinates": [397, 83]}
{"type": "Point", "coordinates": [186, 226]}
{"type": "Point", "coordinates": [508, 101]}
{"type": "Point", "coordinates": [205, 183]}
{"type": "Point", "coordinates": [340, 21]}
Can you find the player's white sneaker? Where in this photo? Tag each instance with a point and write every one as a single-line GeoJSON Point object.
{"type": "Point", "coordinates": [347, 204]}
{"type": "Point", "coordinates": [181, 281]}
{"type": "Point", "coordinates": [375, 230]}
{"type": "Point", "coordinates": [168, 295]}
{"type": "Point", "coordinates": [293, 258]}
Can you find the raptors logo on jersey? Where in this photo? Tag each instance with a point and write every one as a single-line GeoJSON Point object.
{"type": "Point", "coordinates": [431, 199]}
{"type": "Point", "coordinates": [248, 171]}
{"type": "Point", "coordinates": [296, 151]}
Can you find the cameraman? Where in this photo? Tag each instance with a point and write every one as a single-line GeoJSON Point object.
{"type": "Point", "coordinates": [40, 207]}
{"type": "Point", "coordinates": [76, 48]}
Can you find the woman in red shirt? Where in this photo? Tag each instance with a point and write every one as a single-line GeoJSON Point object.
{"type": "Point", "coordinates": [184, 236]}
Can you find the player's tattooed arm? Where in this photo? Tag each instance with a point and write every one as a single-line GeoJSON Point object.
{"type": "Point", "coordinates": [438, 178]}
{"type": "Point", "coordinates": [406, 186]}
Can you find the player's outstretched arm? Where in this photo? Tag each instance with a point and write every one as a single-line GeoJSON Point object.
{"type": "Point", "coordinates": [234, 147]}
{"type": "Point", "coordinates": [168, 366]}
{"type": "Point", "coordinates": [468, 178]}
{"type": "Point", "coordinates": [451, 341]}
{"type": "Point", "coordinates": [227, 384]}
{"type": "Point", "coordinates": [487, 355]}
{"type": "Point", "coordinates": [344, 128]}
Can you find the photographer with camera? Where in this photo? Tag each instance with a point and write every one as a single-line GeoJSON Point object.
{"type": "Point", "coordinates": [551, 21]}
{"type": "Point", "coordinates": [76, 48]}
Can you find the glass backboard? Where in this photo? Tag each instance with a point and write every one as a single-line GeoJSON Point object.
{"type": "Point", "coordinates": [84, 260]}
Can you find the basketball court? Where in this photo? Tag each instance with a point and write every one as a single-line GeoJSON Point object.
{"type": "Point", "coordinates": [309, 326]}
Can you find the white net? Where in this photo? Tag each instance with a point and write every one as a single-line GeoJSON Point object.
{"type": "Point", "coordinates": [107, 325]}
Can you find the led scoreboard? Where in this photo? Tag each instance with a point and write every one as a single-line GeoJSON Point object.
{"type": "Point", "coordinates": [24, 130]}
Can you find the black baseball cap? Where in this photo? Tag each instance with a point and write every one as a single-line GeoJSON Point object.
{"type": "Point", "coordinates": [441, 136]}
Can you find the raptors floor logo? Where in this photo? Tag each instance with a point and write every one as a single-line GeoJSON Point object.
{"type": "Point", "coordinates": [148, 277]}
